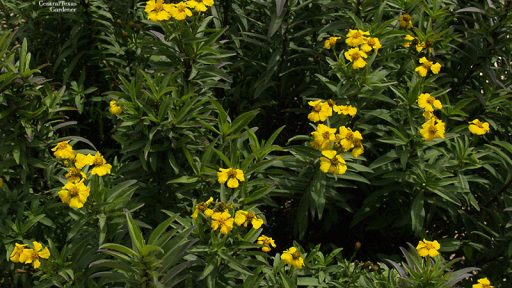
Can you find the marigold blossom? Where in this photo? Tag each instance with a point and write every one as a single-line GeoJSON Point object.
{"type": "Point", "coordinates": [427, 102]}
{"type": "Point", "coordinates": [64, 151]}
{"type": "Point", "coordinates": [16, 252]}
{"type": "Point", "coordinates": [432, 128]}
{"type": "Point", "coordinates": [408, 40]}
{"type": "Point", "coordinates": [75, 175]}
{"type": "Point", "coordinates": [31, 256]}
{"type": "Point", "coordinates": [357, 57]}
{"type": "Point", "coordinates": [332, 162]}
{"type": "Point", "coordinates": [222, 220]}
{"type": "Point", "coordinates": [180, 11]}
{"type": "Point", "coordinates": [230, 175]}
{"type": "Point", "coordinates": [356, 37]}
{"type": "Point", "coordinates": [483, 283]}
{"type": "Point", "coordinates": [345, 110]}
{"type": "Point", "coordinates": [157, 10]}
{"type": "Point", "coordinates": [74, 194]}
{"type": "Point", "coordinates": [245, 217]}
{"type": "Point", "coordinates": [203, 207]}
{"type": "Point", "coordinates": [293, 257]}
{"type": "Point", "coordinates": [371, 43]}
{"type": "Point", "coordinates": [427, 65]}
{"type": "Point", "coordinates": [321, 111]}
{"type": "Point", "coordinates": [428, 248]}
{"type": "Point", "coordinates": [323, 137]}
{"type": "Point", "coordinates": [330, 42]}
{"type": "Point", "coordinates": [267, 243]}
{"type": "Point", "coordinates": [478, 128]}
{"type": "Point", "coordinates": [114, 108]}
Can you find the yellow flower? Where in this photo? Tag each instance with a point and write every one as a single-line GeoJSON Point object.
{"type": "Point", "coordinates": [75, 175]}
{"type": "Point", "coordinates": [16, 252]}
{"type": "Point", "coordinates": [74, 194]}
{"type": "Point", "coordinates": [1, 183]}
{"type": "Point", "coordinates": [180, 11]}
{"type": "Point", "coordinates": [347, 138]}
{"type": "Point", "coordinates": [420, 46]}
{"type": "Point", "coordinates": [428, 248]}
{"type": "Point", "coordinates": [114, 108]}
{"type": "Point", "coordinates": [267, 243]}
{"type": "Point", "coordinates": [428, 115]}
{"type": "Point", "coordinates": [356, 37]}
{"type": "Point", "coordinates": [63, 150]}
{"type": "Point", "coordinates": [101, 167]}
{"type": "Point", "coordinates": [245, 217]}
{"type": "Point", "coordinates": [200, 5]}
{"type": "Point", "coordinates": [358, 148]}
{"type": "Point", "coordinates": [293, 257]}
{"type": "Point", "coordinates": [356, 56]}
{"type": "Point", "coordinates": [231, 175]}
{"type": "Point", "coordinates": [322, 137]}
{"type": "Point", "coordinates": [478, 128]}
{"type": "Point", "coordinates": [433, 128]}
{"type": "Point", "coordinates": [321, 111]}
{"type": "Point", "coordinates": [426, 65]}
{"type": "Point", "coordinates": [405, 21]}
{"type": "Point", "coordinates": [427, 102]}
{"type": "Point", "coordinates": [332, 163]}
{"type": "Point", "coordinates": [408, 40]}
{"type": "Point", "coordinates": [330, 42]}
{"type": "Point", "coordinates": [157, 10]}
{"type": "Point", "coordinates": [82, 160]}
{"type": "Point", "coordinates": [371, 43]}
{"type": "Point", "coordinates": [483, 283]}
{"type": "Point", "coordinates": [345, 110]}
{"type": "Point", "coordinates": [203, 207]}
{"type": "Point", "coordinates": [222, 220]}
{"type": "Point", "coordinates": [29, 256]}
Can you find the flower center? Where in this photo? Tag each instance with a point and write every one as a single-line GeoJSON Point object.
{"type": "Point", "coordinates": [73, 191]}
{"type": "Point", "coordinates": [317, 108]}
{"type": "Point", "coordinates": [431, 130]}
{"type": "Point", "coordinates": [181, 7]}
{"type": "Point", "coordinates": [334, 161]}
{"type": "Point", "coordinates": [371, 41]}
{"type": "Point", "coordinates": [296, 255]}
{"type": "Point", "coordinates": [355, 55]}
{"type": "Point", "coordinates": [232, 173]}
{"type": "Point", "coordinates": [326, 135]}
{"type": "Point", "coordinates": [159, 5]}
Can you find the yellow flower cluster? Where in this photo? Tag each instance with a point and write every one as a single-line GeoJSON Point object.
{"type": "Point", "coordinates": [363, 44]}
{"type": "Point", "coordinates": [433, 127]}
{"type": "Point", "coordinates": [267, 243]}
{"type": "Point", "coordinates": [332, 144]}
{"type": "Point", "coordinates": [157, 10]}
{"type": "Point", "coordinates": [483, 283]}
{"type": "Point", "coordinates": [221, 219]}
{"type": "Point", "coordinates": [114, 108]}
{"type": "Point", "coordinates": [75, 192]}
{"type": "Point", "coordinates": [323, 110]}
{"type": "Point", "coordinates": [478, 128]}
{"type": "Point", "coordinates": [23, 254]}
{"type": "Point", "coordinates": [427, 248]}
{"type": "Point", "coordinates": [293, 257]}
{"type": "Point", "coordinates": [330, 42]}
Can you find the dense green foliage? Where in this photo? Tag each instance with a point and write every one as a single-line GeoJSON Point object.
{"type": "Point", "coordinates": [230, 87]}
